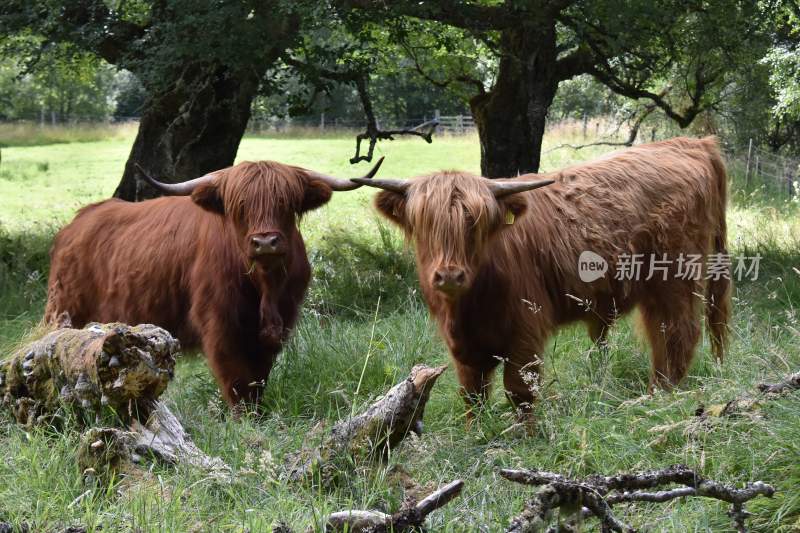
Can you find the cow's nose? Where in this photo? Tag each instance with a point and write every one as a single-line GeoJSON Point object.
{"type": "Point", "coordinates": [267, 244]}
{"type": "Point", "coordinates": [449, 279]}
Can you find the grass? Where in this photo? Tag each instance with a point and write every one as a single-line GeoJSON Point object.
{"type": "Point", "coordinates": [364, 312]}
{"type": "Point", "coordinates": [27, 133]}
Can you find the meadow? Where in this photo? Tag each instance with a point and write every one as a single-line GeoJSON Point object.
{"type": "Point", "coordinates": [363, 327]}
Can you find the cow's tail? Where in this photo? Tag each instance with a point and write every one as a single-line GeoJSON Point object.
{"type": "Point", "coordinates": [718, 291]}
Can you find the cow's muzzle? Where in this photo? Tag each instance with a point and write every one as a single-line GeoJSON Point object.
{"type": "Point", "coordinates": [450, 280]}
{"type": "Point", "coordinates": [268, 244]}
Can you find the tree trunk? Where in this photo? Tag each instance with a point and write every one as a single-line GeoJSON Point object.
{"type": "Point", "coordinates": [190, 129]}
{"type": "Point", "coordinates": [511, 116]}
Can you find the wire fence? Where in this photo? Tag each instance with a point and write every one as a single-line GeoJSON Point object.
{"type": "Point", "coordinates": [452, 124]}
{"type": "Point", "coordinates": [761, 167]}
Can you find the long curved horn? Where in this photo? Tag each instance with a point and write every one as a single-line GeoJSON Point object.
{"type": "Point", "coordinates": [184, 188]}
{"type": "Point", "coordinates": [339, 184]}
{"type": "Point", "coordinates": [505, 188]}
{"type": "Point", "coordinates": [398, 186]}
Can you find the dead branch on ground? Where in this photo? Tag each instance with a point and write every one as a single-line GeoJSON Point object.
{"type": "Point", "coordinates": [409, 518]}
{"type": "Point", "coordinates": [595, 495]}
{"type": "Point", "coordinates": [381, 427]}
{"type": "Point", "coordinates": [788, 384]}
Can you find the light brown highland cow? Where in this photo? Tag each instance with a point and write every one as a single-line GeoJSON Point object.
{"type": "Point", "coordinates": [499, 263]}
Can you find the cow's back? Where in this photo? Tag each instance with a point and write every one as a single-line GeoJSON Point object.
{"type": "Point", "coordinates": [128, 262]}
{"type": "Point", "coordinates": [661, 198]}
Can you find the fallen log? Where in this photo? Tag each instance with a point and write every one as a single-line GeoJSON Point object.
{"type": "Point", "coordinates": [595, 495]}
{"type": "Point", "coordinates": [103, 373]}
{"type": "Point", "coordinates": [371, 434]}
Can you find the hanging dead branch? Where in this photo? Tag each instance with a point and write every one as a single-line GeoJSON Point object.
{"type": "Point", "coordinates": [595, 495]}
{"type": "Point", "coordinates": [359, 77]}
{"type": "Point", "coordinates": [380, 428]}
{"type": "Point", "coordinates": [103, 373]}
{"type": "Point", "coordinates": [373, 133]}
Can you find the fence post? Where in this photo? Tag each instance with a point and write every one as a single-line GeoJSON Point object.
{"type": "Point", "coordinates": [322, 121]}
{"type": "Point", "coordinates": [585, 122]}
{"type": "Point", "coordinates": [747, 168]}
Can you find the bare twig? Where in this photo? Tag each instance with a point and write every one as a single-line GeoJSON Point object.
{"type": "Point", "coordinates": [596, 495]}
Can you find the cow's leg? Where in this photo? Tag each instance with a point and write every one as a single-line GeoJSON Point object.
{"type": "Point", "coordinates": [237, 381]}
{"type": "Point", "coordinates": [240, 368]}
{"type": "Point", "coordinates": [672, 324]}
{"type": "Point", "coordinates": [475, 386]}
{"type": "Point", "coordinates": [598, 330]}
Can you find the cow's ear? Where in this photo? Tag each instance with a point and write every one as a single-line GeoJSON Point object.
{"type": "Point", "coordinates": [392, 205]}
{"type": "Point", "coordinates": [316, 195]}
{"type": "Point", "coordinates": [513, 207]}
{"type": "Point", "coordinates": [207, 196]}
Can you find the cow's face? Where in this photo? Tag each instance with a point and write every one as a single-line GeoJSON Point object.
{"type": "Point", "coordinates": [262, 201]}
{"type": "Point", "coordinates": [451, 217]}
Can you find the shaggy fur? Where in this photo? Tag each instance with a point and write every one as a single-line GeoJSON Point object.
{"type": "Point", "coordinates": [185, 268]}
{"type": "Point", "coordinates": [522, 279]}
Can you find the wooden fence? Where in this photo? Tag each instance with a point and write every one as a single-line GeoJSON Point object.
{"type": "Point", "coordinates": [455, 123]}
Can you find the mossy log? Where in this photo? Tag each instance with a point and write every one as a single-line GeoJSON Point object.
{"type": "Point", "coordinates": [372, 433]}
{"type": "Point", "coordinates": [104, 373]}
{"type": "Point", "coordinates": [100, 369]}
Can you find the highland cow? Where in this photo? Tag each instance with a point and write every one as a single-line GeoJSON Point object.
{"type": "Point", "coordinates": [222, 265]}
{"type": "Point", "coordinates": [498, 263]}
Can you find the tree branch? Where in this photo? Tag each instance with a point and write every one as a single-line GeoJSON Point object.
{"type": "Point", "coordinates": [466, 15]}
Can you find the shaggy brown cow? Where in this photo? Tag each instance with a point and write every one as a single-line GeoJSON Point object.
{"type": "Point", "coordinates": [498, 288]}
{"type": "Point", "coordinates": [223, 268]}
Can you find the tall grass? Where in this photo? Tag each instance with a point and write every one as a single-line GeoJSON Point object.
{"type": "Point", "coordinates": [34, 134]}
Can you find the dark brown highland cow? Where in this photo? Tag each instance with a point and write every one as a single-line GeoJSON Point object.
{"type": "Point", "coordinates": [223, 266]}
{"type": "Point", "coordinates": [498, 287]}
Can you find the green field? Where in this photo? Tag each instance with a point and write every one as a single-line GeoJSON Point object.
{"type": "Point", "coordinates": [364, 314]}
